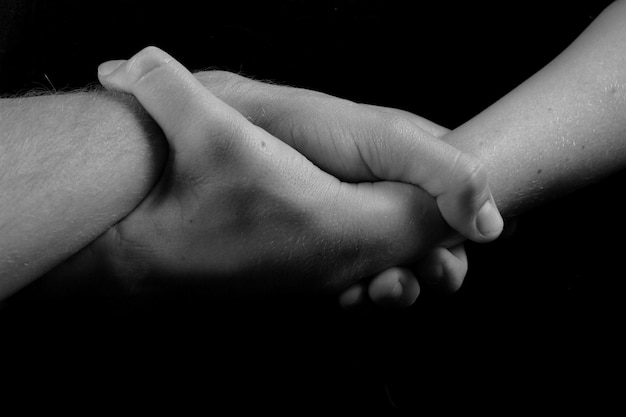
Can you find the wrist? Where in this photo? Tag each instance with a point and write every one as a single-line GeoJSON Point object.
{"type": "Point", "coordinates": [116, 154]}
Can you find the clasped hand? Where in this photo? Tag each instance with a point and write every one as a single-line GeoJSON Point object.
{"type": "Point", "coordinates": [271, 188]}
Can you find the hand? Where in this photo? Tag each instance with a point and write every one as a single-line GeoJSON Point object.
{"type": "Point", "coordinates": [368, 213]}
{"type": "Point", "coordinates": [235, 204]}
{"type": "Point", "coordinates": [255, 190]}
{"type": "Point", "coordinates": [359, 143]}
{"type": "Point", "coordinates": [319, 125]}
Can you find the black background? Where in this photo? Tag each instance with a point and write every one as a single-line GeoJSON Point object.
{"type": "Point", "coordinates": [537, 324]}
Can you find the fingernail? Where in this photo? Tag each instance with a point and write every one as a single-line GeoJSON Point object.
{"type": "Point", "coordinates": [396, 291]}
{"type": "Point", "coordinates": [108, 67]}
{"type": "Point", "coordinates": [488, 221]}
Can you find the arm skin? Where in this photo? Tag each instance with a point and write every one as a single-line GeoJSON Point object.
{"type": "Point", "coordinates": [533, 155]}
{"type": "Point", "coordinates": [563, 128]}
{"type": "Point", "coordinates": [560, 130]}
{"type": "Point", "coordinates": [532, 140]}
{"type": "Point", "coordinates": [94, 176]}
{"type": "Point", "coordinates": [71, 166]}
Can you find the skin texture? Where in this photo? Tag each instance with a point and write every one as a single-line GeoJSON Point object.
{"type": "Point", "coordinates": [290, 205]}
{"type": "Point", "coordinates": [188, 112]}
{"type": "Point", "coordinates": [58, 189]}
{"type": "Point", "coordinates": [253, 99]}
{"type": "Point", "coordinates": [302, 118]}
{"type": "Point", "coordinates": [561, 129]}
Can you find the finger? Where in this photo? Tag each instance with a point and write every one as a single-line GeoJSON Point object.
{"type": "Point", "coordinates": [443, 269]}
{"type": "Point", "coordinates": [394, 288]}
{"type": "Point", "coordinates": [231, 88]}
{"type": "Point", "coordinates": [355, 297]}
{"type": "Point", "coordinates": [492, 223]}
{"type": "Point", "coordinates": [390, 146]}
{"type": "Point", "coordinates": [433, 128]}
{"type": "Point", "coordinates": [183, 108]}
{"type": "Point", "coordinates": [353, 229]}
{"type": "Point", "coordinates": [400, 151]}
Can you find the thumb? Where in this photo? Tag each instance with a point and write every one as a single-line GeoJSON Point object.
{"type": "Point", "coordinates": [378, 225]}
{"type": "Point", "coordinates": [369, 143]}
{"type": "Point", "coordinates": [179, 104]}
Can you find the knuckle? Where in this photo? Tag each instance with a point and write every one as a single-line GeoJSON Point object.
{"type": "Point", "coordinates": [382, 151]}
{"type": "Point", "coordinates": [225, 143]}
{"type": "Point", "coordinates": [249, 97]}
{"type": "Point", "coordinates": [469, 172]}
{"type": "Point", "coordinates": [222, 150]}
{"type": "Point", "coordinates": [403, 214]}
{"type": "Point", "coordinates": [399, 129]}
{"type": "Point", "coordinates": [146, 61]}
{"type": "Point", "coordinates": [151, 52]}
{"type": "Point", "coordinates": [290, 115]}
{"type": "Point", "coordinates": [454, 273]}
{"type": "Point", "coordinates": [396, 125]}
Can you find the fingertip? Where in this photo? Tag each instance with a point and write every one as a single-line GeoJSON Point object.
{"type": "Point", "coordinates": [353, 298]}
{"type": "Point", "coordinates": [122, 74]}
{"type": "Point", "coordinates": [466, 202]}
{"type": "Point", "coordinates": [443, 270]}
{"type": "Point", "coordinates": [146, 60]}
{"type": "Point", "coordinates": [106, 69]}
{"type": "Point", "coordinates": [174, 98]}
{"type": "Point", "coordinates": [394, 288]}
{"type": "Point", "coordinates": [489, 222]}
{"type": "Point", "coordinates": [356, 300]}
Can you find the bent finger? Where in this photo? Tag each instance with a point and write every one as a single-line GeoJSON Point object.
{"type": "Point", "coordinates": [376, 143]}
{"type": "Point", "coordinates": [177, 101]}
{"type": "Point", "coordinates": [429, 126]}
{"type": "Point", "coordinates": [355, 297]}
{"type": "Point", "coordinates": [394, 288]}
{"type": "Point", "coordinates": [401, 151]}
{"type": "Point", "coordinates": [443, 269]}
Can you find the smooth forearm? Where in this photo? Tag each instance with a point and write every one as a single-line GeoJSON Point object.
{"type": "Point", "coordinates": [71, 166]}
{"type": "Point", "coordinates": [562, 128]}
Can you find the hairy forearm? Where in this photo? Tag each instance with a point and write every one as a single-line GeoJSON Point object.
{"type": "Point", "coordinates": [562, 128]}
{"type": "Point", "coordinates": [71, 166]}
{"type": "Point", "coordinates": [559, 130]}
